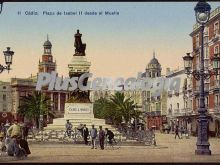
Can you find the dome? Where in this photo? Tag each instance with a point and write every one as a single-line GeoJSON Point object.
{"type": "Point", "coordinates": [47, 43]}
{"type": "Point", "coordinates": [154, 61]}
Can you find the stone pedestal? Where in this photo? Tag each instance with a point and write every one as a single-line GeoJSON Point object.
{"type": "Point", "coordinates": [79, 111]}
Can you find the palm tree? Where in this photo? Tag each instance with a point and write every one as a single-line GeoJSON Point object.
{"type": "Point", "coordinates": [124, 107]}
{"type": "Point", "coordinates": [117, 109]}
{"type": "Point", "coordinates": [33, 105]}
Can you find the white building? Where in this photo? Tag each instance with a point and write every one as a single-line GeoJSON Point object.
{"type": "Point", "coordinates": [179, 102]}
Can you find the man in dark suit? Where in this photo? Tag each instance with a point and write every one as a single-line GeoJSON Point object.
{"type": "Point", "coordinates": [85, 134]}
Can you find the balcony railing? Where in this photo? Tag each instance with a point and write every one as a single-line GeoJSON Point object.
{"type": "Point", "coordinates": [176, 93]}
{"type": "Point", "coordinates": [215, 85]}
{"type": "Point", "coordinates": [217, 108]}
{"type": "Point", "coordinates": [169, 93]}
{"type": "Point", "coordinates": [197, 89]}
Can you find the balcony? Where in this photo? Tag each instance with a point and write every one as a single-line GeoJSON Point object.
{"type": "Point", "coordinates": [169, 93]}
{"type": "Point", "coordinates": [176, 93]}
{"type": "Point", "coordinates": [177, 112]}
{"type": "Point", "coordinates": [217, 108]}
{"type": "Point", "coordinates": [196, 90]}
{"type": "Point", "coordinates": [189, 87]}
{"type": "Point", "coordinates": [196, 49]}
{"type": "Point", "coordinates": [215, 37]}
{"type": "Point", "coordinates": [215, 85]}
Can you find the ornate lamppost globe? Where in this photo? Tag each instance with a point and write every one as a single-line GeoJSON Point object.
{"type": "Point", "coordinates": [202, 12]}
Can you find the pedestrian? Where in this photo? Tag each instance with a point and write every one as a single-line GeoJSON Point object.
{"type": "Point", "coordinates": [7, 125]}
{"type": "Point", "coordinates": [14, 149]}
{"type": "Point", "coordinates": [93, 134]}
{"type": "Point", "coordinates": [177, 131]}
{"type": "Point", "coordinates": [25, 130]}
{"type": "Point", "coordinates": [85, 134]}
{"type": "Point", "coordinates": [24, 144]}
{"type": "Point", "coordinates": [14, 130]}
{"type": "Point", "coordinates": [3, 129]}
{"type": "Point", "coordinates": [2, 142]}
{"type": "Point", "coordinates": [101, 137]}
{"type": "Point", "coordinates": [182, 130]}
{"type": "Point", "coordinates": [68, 126]}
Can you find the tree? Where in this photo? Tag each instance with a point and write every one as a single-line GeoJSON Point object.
{"type": "Point", "coordinates": [103, 109]}
{"type": "Point", "coordinates": [118, 109]}
{"type": "Point", "coordinates": [33, 105]}
{"type": "Point", "coordinates": [123, 107]}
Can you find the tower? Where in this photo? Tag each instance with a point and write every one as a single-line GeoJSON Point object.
{"type": "Point", "coordinates": [47, 64]}
{"type": "Point", "coordinates": [153, 69]}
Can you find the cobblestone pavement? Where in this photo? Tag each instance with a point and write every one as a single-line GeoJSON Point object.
{"type": "Point", "coordinates": [168, 149]}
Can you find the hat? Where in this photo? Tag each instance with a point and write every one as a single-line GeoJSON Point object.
{"type": "Point", "coordinates": [14, 136]}
{"type": "Point", "coordinates": [1, 135]}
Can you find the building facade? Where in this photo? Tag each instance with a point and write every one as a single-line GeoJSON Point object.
{"type": "Point", "coordinates": [5, 102]}
{"type": "Point", "coordinates": [179, 102]}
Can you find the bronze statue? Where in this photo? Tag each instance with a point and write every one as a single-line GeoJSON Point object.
{"type": "Point", "coordinates": [80, 47]}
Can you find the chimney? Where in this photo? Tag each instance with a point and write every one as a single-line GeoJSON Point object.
{"type": "Point", "coordinates": [167, 71]}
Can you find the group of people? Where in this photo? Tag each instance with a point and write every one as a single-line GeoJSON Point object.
{"type": "Point", "coordinates": [180, 130]}
{"type": "Point", "coordinates": [13, 139]}
{"type": "Point", "coordinates": [101, 134]}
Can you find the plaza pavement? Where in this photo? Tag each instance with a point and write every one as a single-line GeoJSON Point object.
{"type": "Point", "coordinates": [168, 149]}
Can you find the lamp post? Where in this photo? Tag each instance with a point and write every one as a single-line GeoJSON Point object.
{"type": "Point", "coordinates": [202, 12]}
{"type": "Point", "coordinates": [8, 60]}
{"type": "Point", "coordinates": [1, 6]}
{"type": "Point", "coordinates": [184, 99]}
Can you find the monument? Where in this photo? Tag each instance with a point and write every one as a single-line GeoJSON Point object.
{"type": "Point", "coordinates": [79, 108]}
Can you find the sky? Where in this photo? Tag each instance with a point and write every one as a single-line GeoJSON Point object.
{"type": "Point", "coordinates": [116, 45]}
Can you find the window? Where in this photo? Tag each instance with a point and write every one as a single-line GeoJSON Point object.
{"type": "Point", "coordinates": [207, 101]}
{"type": "Point", "coordinates": [206, 35]}
{"type": "Point", "coordinates": [206, 52]}
{"type": "Point", "coordinates": [197, 62]}
{"type": "Point", "coordinates": [191, 103]}
{"type": "Point", "coordinates": [148, 94]}
{"type": "Point", "coordinates": [197, 41]}
{"type": "Point", "coordinates": [178, 106]}
{"type": "Point", "coordinates": [216, 28]}
{"type": "Point", "coordinates": [216, 49]}
{"type": "Point", "coordinates": [50, 59]}
{"type": "Point", "coordinates": [197, 102]}
{"type": "Point", "coordinates": [216, 100]}
{"type": "Point", "coordinates": [4, 87]}
{"type": "Point", "coordinates": [4, 97]}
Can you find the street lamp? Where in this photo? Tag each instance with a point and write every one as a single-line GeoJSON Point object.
{"type": "Point", "coordinates": [8, 60]}
{"type": "Point", "coordinates": [1, 5]}
{"type": "Point", "coordinates": [202, 12]}
{"type": "Point", "coordinates": [185, 105]}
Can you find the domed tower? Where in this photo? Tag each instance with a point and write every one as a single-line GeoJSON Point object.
{"type": "Point", "coordinates": [153, 69]}
{"type": "Point", "coordinates": [47, 64]}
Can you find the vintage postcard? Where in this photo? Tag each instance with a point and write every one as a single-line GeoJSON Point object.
{"type": "Point", "coordinates": [109, 82]}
